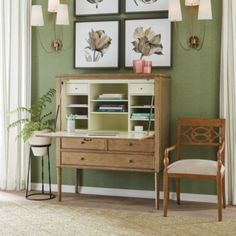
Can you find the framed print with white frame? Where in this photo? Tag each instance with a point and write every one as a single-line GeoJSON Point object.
{"type": "Point", "coordinates": [148, 39]}
{"type": "Point", "coordinates": [95, 7]}
{"type": "Point", "coordinates": [146, 5]}
{"type": "Point", "coordinates": [96, 44]}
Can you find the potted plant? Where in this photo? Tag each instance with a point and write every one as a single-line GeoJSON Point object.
{"type": "Point", "coordinates": [35, 120]}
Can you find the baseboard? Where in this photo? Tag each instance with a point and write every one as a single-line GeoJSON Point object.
{"type": "Point", "coordinates": [128, 193]}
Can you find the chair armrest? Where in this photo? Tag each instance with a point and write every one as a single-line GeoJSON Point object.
{"type": "Point", "coordinates": [219, 155]}
{"type": "Point", "coordinates": [166, 155]}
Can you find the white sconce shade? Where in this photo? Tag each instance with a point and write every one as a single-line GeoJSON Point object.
{"type": "Point", "coordinates": [37, 16]}
{"type": "Point", "coordinates": [52, 5]}
{"type": "Point", "coordinates": [175, 13]}
{"type": "Point", "coordinates": [191, 2]}
{"type": "Point", "coordinates": [62, 15]}
{"type": "Point", "coordinates": [205, 11]}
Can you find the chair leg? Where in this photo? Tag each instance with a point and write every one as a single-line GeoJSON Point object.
{"type": "Point", "coordinates": [219, 196]}
{"type": "Point", "coordinates": [166, 193]}
{"type": "Point", "coordinates": [223, 190]}
{"type": "Point", "coordinates": [178, 190]}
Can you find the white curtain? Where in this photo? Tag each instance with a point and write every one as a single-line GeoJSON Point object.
{"type": "Point", "coordinates": [15, 87]}
{"type": "Point", "coordinates": [228, 93]}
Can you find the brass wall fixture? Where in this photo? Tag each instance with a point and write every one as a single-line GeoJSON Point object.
{"type": "Point", "coordinates": [204, 12]}
{"type": "Point", "coordinates": [60, 17]}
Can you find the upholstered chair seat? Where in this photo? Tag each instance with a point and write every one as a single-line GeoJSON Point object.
{"type": "Point", "coordinates": [194, 167]}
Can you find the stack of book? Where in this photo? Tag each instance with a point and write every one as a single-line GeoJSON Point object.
{"type": "Point", "coordinates": [142, 116]}
{"type": "Point", "coordinates": [111, 108]}
{"type": "Point", "coordinates": [111, 96]}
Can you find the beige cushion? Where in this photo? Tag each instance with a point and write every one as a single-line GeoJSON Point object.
{"type": "Point", "coordinates": [194, 166]}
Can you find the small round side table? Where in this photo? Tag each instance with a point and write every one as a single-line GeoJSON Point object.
{"type": "Point", "coordinates": [49, 194]}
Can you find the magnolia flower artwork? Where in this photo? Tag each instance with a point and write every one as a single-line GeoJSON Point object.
{"type": "Point", "coordinates": [147, 42]}
{"type": "Point", "coordinates": [144, 1]}
{"type": "Point", "coordinates": [95, 2]}
{"type": "Point", "coordinates": [98, 44]}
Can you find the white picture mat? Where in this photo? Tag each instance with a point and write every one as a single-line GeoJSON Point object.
{"type": "Point", "coordinates": [160, 5]}
{"type": "Point", "coordinates": [160, 26]}
{"type": "Point", "coordinates": [111, 57]}
{"type": "Point", "coordinates": [83, 7]}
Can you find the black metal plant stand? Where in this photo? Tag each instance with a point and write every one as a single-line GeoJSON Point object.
{"type": "Point", "coordinates": [49, 194]}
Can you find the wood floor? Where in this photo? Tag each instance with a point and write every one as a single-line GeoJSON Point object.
{"type": "Point", "coordinates": [133, 204]}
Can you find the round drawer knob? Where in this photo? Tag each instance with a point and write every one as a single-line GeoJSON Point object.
{"type": "Point", "coordinates": [130, 144]}
{"type": "Point", "coordinates": [82, 142]}
{"type": "Point", "coordinates": [82, 158]}
{"type": "Point", "coordinates": [131, 161]}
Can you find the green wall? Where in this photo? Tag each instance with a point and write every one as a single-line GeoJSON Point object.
{"type": "Point", "coordinates": [194, 90]}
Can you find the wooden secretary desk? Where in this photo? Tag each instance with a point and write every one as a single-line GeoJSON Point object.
{"type": "Point", "coordinates": [107, 108]}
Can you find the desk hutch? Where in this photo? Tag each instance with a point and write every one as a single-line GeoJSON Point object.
{"type": "Point", "coordinates": [142, 100]}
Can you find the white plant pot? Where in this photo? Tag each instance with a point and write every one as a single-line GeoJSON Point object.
{"type": "Point", "coordinates": [35, 140]}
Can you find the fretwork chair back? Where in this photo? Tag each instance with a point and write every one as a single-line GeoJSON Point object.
{"type": "Point", "coordinates": [197, 132]}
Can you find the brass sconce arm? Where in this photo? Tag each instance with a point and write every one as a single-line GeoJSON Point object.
{"type": "Point", "coordinates": [204, 13]}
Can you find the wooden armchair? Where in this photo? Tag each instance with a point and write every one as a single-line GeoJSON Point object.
{"type": "Point", "coordinates": [197, 132]}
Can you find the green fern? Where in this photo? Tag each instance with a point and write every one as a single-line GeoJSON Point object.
{"type": "Point", "coordinates": [37, 120]}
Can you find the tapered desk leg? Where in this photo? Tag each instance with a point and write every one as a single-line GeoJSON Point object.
{"type": "Point", "coordinates": [157, 190]}
{"type": "Point", "coordinates": [77, 180]}
{"type": "Point", "coordinates": [59, 172]}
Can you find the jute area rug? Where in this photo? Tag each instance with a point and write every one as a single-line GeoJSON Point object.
{"type": "Point", "coordinates": [38, 218]}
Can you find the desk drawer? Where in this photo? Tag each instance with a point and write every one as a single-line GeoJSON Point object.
{"type": "Point", "coordinates": [108, 160]}
{"type": "Point", "coordinates": [145, 89]}
{"type": "Point", "coordinates": [146, 145]}
{"type": "Point", "coordinates": [83, 143]}
{"type": "Point", "coordinates": [77, 88]}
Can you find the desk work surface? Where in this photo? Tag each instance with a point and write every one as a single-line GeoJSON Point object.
{"type": "Point", "coordinates": [100, 134]}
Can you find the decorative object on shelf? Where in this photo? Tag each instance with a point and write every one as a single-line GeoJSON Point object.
{"type": "Point", "coordinates": [96, 44]}
{"type": "Point", "coordinates": [148, 39]}
{"type": "Point", "coordinates": [35, 121]}
{"type": "Point", "coordinates": [203, 8]}
{"type": "Point", "coordinates": [71, 123]}
{"type": "Point", "coordinates": [138, 66]}
{"type": "Point", "coordinates": [147, 69]}
{"type": "Point", "coordinates": [138, 128]}
{"type": "Point", "coordinates": [60, 16]}
{"type": "Point", "coordinates": [142, 66]}
{"type": "Point", "coordinates": [96, 7]}
{"type": "Point", "coordinates": [146, 5]}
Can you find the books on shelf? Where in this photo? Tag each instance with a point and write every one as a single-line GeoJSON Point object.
{"type": "Point", "coordinates": [142, 116]}
{"type": "Point", "coordinates": [111, 96]}
{"type": "Point", "coordinates": [111, 108]}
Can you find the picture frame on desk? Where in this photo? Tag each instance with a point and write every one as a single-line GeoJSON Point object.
{"type": "Point", "coordinates": [148, 39]}
{"type": "Point", "coordinates": [135, 6]}
{"type": "Point", "coordinates": [95, 7]}
{"type": "Point", "coordinates": [96, 44]}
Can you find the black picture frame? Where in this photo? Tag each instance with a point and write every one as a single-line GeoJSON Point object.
{"type": "Point", "coordinates": [160, 34]}
{"type": "Point", "coordinates": [145, 6]}
{"type": "Point", "coordinates": [91, 54]}
{"type": "Point", "coordinates": [90, 7]}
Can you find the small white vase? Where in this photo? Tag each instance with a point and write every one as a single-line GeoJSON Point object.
{"type": "Point", "coordinates": [70, 126]}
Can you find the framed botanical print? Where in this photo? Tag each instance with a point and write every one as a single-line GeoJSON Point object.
{"type": "Point", "coordinates": [148, 39]}
{"type": "Point", "coordinates": [146, 5]}
{"type": "Point", "coordinates": [95, 7]}
{"type": "Point", "coordinates": [96, 44]}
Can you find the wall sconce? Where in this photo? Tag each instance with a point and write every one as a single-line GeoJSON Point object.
{"type": "Point", "coordinates": [60, 17]}
{"type": "Point", "coordinates": [204, 13]}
